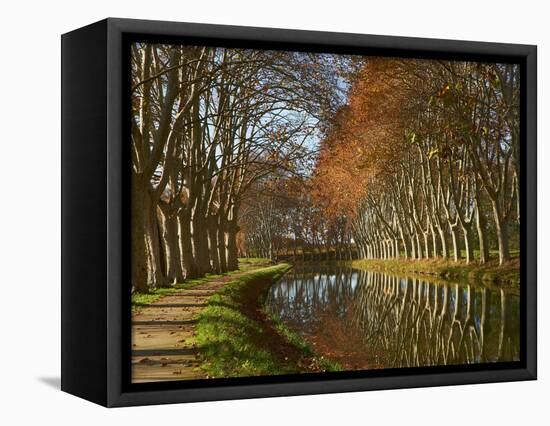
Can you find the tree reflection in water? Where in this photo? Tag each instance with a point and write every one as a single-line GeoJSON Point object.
{"type": "Point", "coordinates": [401, 322]}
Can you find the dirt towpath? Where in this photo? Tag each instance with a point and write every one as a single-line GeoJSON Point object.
{"type": "Point", "coordinates": [160, 332]}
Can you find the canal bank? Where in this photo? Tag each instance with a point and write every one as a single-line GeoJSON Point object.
{"type": "Point", "coordinates": [217, 327]}
{"type": "Point", "coordinates": [236, 337]}
{"type": "Point", "coordinates": [164, 323]}
{"type": "Point", "coordinates": [490, 273]}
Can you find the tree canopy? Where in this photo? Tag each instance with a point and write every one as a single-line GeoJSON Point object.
{"type": "Point", "coordinates": [242, 152]}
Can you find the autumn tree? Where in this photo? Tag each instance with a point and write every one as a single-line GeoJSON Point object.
{"type": "Point", "coordinates": [420, 151]}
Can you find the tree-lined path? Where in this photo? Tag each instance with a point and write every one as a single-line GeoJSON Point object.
{"type": "Point", "coordinates": [398, 165]}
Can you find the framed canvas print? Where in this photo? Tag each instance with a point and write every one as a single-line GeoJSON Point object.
{"type": "Point", "coordinates": [252, 212]}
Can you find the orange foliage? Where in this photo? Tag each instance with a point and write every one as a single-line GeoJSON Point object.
{"type": "Point", "coordinates": [366, 139]}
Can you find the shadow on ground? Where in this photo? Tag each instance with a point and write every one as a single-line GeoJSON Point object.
{"type": "Point", "coordinates": [54, 382]}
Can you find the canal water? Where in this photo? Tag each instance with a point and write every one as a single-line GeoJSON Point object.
{"type": "Point", "coordinates": [367, 320]}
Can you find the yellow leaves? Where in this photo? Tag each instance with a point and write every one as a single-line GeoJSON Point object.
{"type": "Point", "coordinates": [411, 137]}
{"type": "Point", "coordinates": [433, 151]}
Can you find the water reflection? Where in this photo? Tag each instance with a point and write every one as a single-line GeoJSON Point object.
{"type": "Point", "coordinates": [378, 320]}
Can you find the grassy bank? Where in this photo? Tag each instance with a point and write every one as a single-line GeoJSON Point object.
{"type": "Point", "coordinates": [490, 273]}
{"type": "Point", "coordinates": [235, 337]}
{"type": "Point", "coordinates": [139, 300]}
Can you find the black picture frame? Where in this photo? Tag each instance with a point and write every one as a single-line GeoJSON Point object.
{"type": "Point", "coordinates": [95, 214]}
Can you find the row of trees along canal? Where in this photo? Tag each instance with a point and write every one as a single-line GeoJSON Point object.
{"type": "Point", "coordinates": [421, 162]}
{"type": "Point", "coordinates": [209, 127]}
{"type": "Point", "coordinates": [270, 153]}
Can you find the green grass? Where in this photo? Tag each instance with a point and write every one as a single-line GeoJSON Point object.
{"type": "Point", "coordinates": [489, 273]}
{"type": "Point", "coordinates": [139, 300]}
{"type": "Point", "coordinates": [253, 261]}
{"type": "Point", "coordinates": [234, 339]}
{"type": "Point", "coordinates": [493, 254]}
